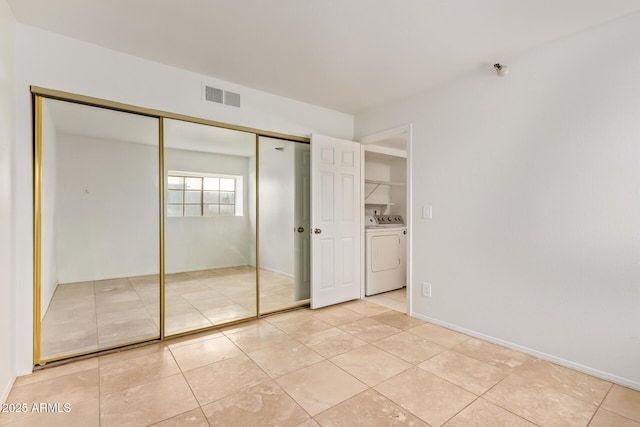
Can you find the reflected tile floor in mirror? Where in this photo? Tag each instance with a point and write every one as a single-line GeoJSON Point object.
{"type": "Point", "coordinates": [92, 315]}
{"type": "Point", "coordinates": [356, 363]}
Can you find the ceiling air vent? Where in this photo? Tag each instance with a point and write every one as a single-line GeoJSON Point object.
{"type": "Point", "coordinates": [232, 99]}
{"type": "Point", "coordinates": [213, 94]}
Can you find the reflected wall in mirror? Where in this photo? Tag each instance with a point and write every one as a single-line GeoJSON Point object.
{"type": "Point", "coordinates": [210, 246]}
{"type": "Point", "coordinates": [99, 267]}
{"type": "Point", "coordinates": [284, 224]}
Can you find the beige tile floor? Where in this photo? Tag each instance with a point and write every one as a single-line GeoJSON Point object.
{"type": "Point", "coordinates": [355, 364]}
{"type": "Point", "coordinates": [396, 300]}
{"type": "Point", "coordinates": [88, 316]}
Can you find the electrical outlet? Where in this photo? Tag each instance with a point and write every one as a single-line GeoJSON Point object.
{"type": "Point", "coordinates": [426, 289]}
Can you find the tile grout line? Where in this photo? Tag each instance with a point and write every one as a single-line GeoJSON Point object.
{"type": "Point", "coordinates": [227, 334]}
{"type": "Point", "coordinates": [446, 380]}
{"type": "Point", "coordinates": [500, 406]}
{"type": "Point", "coordinates": [514, 372]}
{"type": "Point", "coordinates": [212, 363]}
{"type": "Point", "coordinates": [600, 404]}
{"type": "Point", "coordinates": [307, 366]}
{"type": "Point", "coordinates": [372, 388]}
{"type": "Point", "coordinates": [533, 358]}
{"type": "Point", "coordinates": [494, 385]}
{"type": "Point", "coordinates": [278, 384]}
{"type": "Point", "coordinates": [250, 386]}
{"type": "Point", "coordinates": [190, 389]}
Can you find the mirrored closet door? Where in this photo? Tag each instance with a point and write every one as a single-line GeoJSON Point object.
{"type": "Point", "coordinates": [97, 174]}
{"type": "Point", "coordinates": [147, 227]}
{"type": "Point", "coordinates": [210, 226]}
{"type": "Point", "coordinates": [284, 176]}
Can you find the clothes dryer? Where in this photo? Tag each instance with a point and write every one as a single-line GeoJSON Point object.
{"type": "Point", "coordinates": [385, 254]}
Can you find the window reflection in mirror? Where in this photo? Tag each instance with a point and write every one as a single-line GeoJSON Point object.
{"type": "Point", "coordinates": [210, 226]}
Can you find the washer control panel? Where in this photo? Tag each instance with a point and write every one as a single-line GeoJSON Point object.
{"type": "Point", "coordinates": [389, 220]}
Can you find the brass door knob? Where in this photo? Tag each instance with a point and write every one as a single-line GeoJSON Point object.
{"type": "Point", "coordinates": [300, 229]}
{"type": "Point", "coordinates": [317, 231]}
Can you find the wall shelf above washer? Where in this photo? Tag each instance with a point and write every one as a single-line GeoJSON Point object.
{"type": "Point", "coordinates": [376, 184]}
{"type": "Point", "coordinates": [373, 181]}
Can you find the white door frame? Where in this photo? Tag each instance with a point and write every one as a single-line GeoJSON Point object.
{"type": "Point", "coordinates": [372, 139]}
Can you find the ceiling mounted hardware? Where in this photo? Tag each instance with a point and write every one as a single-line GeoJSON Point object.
{"type": "Point", "coordinates": [501, 70]}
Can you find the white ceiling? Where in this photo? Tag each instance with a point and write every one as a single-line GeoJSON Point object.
{"type": "Point", "coordinates": [211, 139]}
{"type": "Point", "coordinates": [348, 55]}
{"type": "Point", "coordinates": [81, 120]}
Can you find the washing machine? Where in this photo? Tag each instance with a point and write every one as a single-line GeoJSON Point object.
{"type": "Point", "coordinates": [385, 253]}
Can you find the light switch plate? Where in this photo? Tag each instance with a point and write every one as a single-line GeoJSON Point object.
{"type": "Point", "coordinates": [427, 211]}
{"type": "Point", "coordinates": [426, 289]}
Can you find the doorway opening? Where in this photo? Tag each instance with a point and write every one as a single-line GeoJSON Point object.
{"type": "Point", "coordinates": [386, 209]}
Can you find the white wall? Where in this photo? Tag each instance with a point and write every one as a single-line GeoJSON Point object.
{"type": "Point", "coordinates": [49, 60]}
{"type": "Point", "coordinates": [199, 243]}
{"type": "Point", "coordinates": [277, 198]}
{"type": "Point", "coordinates": [106, 208]}
{"type": "Point", "coordinates": [107, 213]}
{"type": "Point", "coordinates": [7, 198]}
{"type": "Point", "coordinates": [534, 182]}
{"type": "Point", "coordinates": [49, 270]}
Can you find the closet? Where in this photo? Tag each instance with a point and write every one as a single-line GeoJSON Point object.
{"type": "Point", "coordinates": [149, 225]}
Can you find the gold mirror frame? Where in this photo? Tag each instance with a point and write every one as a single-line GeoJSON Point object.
{"type": "Point", "coordinates": [38, 94]}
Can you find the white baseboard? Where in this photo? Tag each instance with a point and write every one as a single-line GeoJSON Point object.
{"type": "Point", "coordinates": [262, 267]}
{"type": "Point", "coordinates": [541, 355]}
{"type": "Point", "coordinates": [196, 269]}
{"type": "Point", "coordinates": [7, 389]}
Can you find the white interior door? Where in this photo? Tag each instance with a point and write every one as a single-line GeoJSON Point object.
{"type": "Point", "coordinates": [335, 221]}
